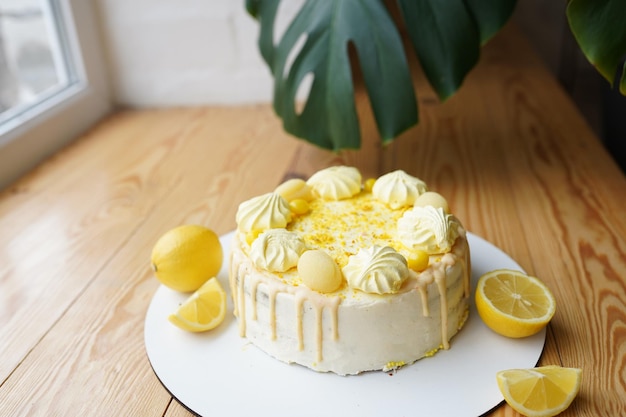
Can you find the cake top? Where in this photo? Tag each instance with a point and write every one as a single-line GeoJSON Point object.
{"type": "Point", "coordinates": [372, 230]}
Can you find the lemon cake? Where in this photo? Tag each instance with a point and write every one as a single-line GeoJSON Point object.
{"type": "Point", "coordinates": [343, 275]}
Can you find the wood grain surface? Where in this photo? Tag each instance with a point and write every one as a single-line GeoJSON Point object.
{"type": "Point", "coordinates": [518, 164]}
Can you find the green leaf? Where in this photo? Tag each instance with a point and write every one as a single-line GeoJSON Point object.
{"type": "Point", "coordinates": [447, 34]}
{"type": "Point", "coordinates": [445, 38]}
{"type": "Point", "coordinates": [599, 27]}
{"type": "Point", "coordinates": [323, 30]}
{"type": "Point", "coordinates": [490, 15]}
{"type": "Point", "coordinates": [252, 6]}
{"type": "Point", "coordinates": [265, 11]}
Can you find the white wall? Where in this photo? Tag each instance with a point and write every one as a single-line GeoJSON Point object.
{"type": "Point", "coordinates": [184, 52]}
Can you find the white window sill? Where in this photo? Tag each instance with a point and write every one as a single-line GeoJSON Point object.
{"type": "Point", "coordinates": [31, 135]}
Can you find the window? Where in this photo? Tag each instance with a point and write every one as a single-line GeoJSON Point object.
{"type": "Point", "coordinates": [33, 61]}
{"type": "Point", "coordinates": [52, 84]}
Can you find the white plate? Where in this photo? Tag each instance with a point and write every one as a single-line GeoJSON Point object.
{"type": "Point", "coordinates": [219, 373]}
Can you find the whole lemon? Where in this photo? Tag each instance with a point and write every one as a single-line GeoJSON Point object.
{"type": "Point", "coordinates": [186, 257]}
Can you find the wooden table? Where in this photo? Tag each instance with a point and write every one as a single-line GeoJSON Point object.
{"type": "Point", "coordinates": [517, 162]}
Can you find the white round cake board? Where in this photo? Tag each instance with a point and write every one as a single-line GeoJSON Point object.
{"type": "Point", "coordinates": [220, 373]}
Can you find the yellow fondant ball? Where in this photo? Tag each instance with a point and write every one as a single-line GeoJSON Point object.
{"type": "Point", "coordinates": [293, 189]}
{"type": "Point", "coordinates": [431, 198]}
{"type": "Point", "coordinates": [319, 271]}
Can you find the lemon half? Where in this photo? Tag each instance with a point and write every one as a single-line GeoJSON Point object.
{"type": "Point", "coordinates": [514, 304]}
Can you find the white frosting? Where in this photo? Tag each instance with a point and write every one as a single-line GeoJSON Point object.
{"type": "Point", "coordinates": [398, 189]}
{"type": "Point", "coordinates": [267, 211]}
{"type": "Point", "coordinates": [429, 229]}
{"type": "Point", "coordinates": [336, 183]}
{"type": "Point", "coordinates": [277, 250]}
{"type": "Point", "coordinates": [376, 270]}
{"type": "Point", "coordinates": [295, 324]}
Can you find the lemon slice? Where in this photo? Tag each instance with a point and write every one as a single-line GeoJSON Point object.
{"type": "Point", "coordinates": [203, 310]}
{"type": "Point", "coordinates": [514, 304]}
{"type": "Point", "coordinates": [539, 392]}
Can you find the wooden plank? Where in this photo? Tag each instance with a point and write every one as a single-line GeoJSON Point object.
{"type": "Point", "coordinates": [574, 232]}
{"type": "Point", "coordinates": [101, 330]}
{"type": "Point", "coordinates": [62, 224]}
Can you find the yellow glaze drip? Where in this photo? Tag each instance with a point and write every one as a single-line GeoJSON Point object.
{"type": "Point", "coordinates": [424, 296]}
{"type": "Point", "coordinates": [437, 273]}
{"type": "Point", "coordinates": [299, 315]}
{"type": "Point", "coordinates": [253, 291]}
{"type": "Point", "coordinates": [440, 279]}
{"type": "Point", "coordinates": [319, 337]}
{"type": "Point", "coordinates": [240, 281]}
{"type": "Point", "coordinates": [272, 294]}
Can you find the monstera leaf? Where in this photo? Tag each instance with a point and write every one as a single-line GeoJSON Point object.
{"type": "Point", "coordinates": [446, 36]}
{"type": "Point", "coordinates": [599, 27]}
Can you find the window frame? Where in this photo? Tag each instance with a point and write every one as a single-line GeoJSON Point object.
{"type": "Point", "coordinates": [34, 134]}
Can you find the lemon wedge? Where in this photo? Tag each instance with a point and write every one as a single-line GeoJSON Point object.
{"type": "Point", "coordinates": [514, 304]}
{"type": "Point", "coordinates": [204, 310]}
{"type": "Point", "coordinates": [539, 392]}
